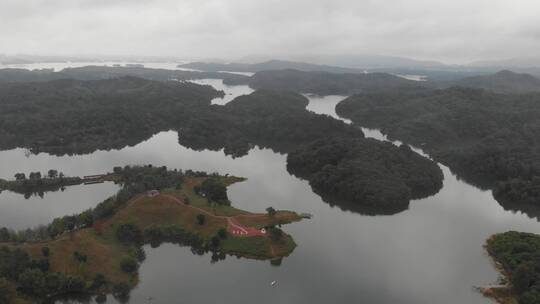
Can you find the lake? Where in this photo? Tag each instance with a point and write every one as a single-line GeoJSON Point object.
{"type": "Point", "coordinates": [431, 253]}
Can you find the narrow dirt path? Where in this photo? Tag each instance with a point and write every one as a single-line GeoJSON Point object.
{"type": "Point", "coordinates": [233, 226]}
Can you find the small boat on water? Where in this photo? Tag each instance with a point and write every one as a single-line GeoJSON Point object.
{"type": "Point", "coordinates": [273, 283]}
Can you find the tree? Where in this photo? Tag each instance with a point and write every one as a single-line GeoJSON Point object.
{"type": "Point", "coordinates": [5, 236]}
{"type": "Point", "coordinates": [129, 265]}
{"type": "Point", "coordinates": [32, 281]}
{"type": "Point", "coordinates": [81, 258]}
{"type": "Point", "coordinates": [215, 241]}
{"type": "Point", "coordinates": [7, 292]}
{"type": "Point", "coordinates": [52, 173]}
{"type": "Point", "coordinates": [522, 278]}
{"type": "Point", "coordinates": [275, 233]}
{"type": "Point", "coordinates": [121, 290]}
{"type": "Point", "coordinates": [35, 175]}
{"type": "Point", "coordinates": [201, 219]}
{"type": "Point", "coordinates": [222, 233]}
{"type": "Point", "coordinates": [271, 211]}
{"type": "Point", "coordinates": [45, 251]}
{"type": "Point", "coordinates": [129, 234]}
{"type": "Point", "coordinates": [214, 190]}
{"type": "Point", "coordinates": [99, 280]}
{"type": "Point", "coordinates": [20, 176]}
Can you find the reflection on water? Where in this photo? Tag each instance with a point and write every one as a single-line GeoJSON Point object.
{"type": "Point", "coordinates": [17, 212]}
{"type": "Point", "coordinates": [431, 253]}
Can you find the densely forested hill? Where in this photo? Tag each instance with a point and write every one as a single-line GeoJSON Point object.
{"type": "Point", "coordinates": [266, 66]}
{"type": "Point", "coordinates": [73, 116]}
{"type": "Point", "coordinates": [502, 82]}
{"type": "Point", "coordinates": [485, 137]}
{"type": "Point", "coordinates": [105, 72]}
{"type": "Point", "coordinates": [365, 175]}
{"type": "Point", "coordinates": [324, 83]}
{"type": "Point", "coordinates": [277, 120]}
{"type": "Point", "coordinates": [342, 166]}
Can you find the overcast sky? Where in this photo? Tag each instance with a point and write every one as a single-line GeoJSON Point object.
{"type": "Point", "coordinates": [453, 31]}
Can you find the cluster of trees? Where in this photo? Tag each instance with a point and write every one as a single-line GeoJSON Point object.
{"type": "Point", "coordinates": [18, 272]}
{"type": "Point", "coordinates": [73, 116]}
{"type": "Point", "coordinates": [365, 175]}
{"type": "Point", "coordinates": [519, 194]}
{"type": "Point", "coordinates": [519, 255]}
{"type": "Point", "coordinates": [482, 136]}
{"type": "Point", "coordinates": [38, 184]}
{"type": "Point", "coordinates": [214, 190]}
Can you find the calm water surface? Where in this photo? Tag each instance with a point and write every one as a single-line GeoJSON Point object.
{"type": "Point", "coordinates": [430, 253]}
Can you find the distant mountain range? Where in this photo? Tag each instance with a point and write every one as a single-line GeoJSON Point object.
{"type": "Point", "coordinates": [269, 65]}
{"type": "Point", "coordinates": [502, 82]}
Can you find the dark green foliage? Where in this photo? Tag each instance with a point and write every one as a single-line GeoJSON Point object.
{"type": "Point", "coordinates": [214, 190]}
{"type": "Point", "coordinates": [201, 219]}
{"type": "Point", "coordinates": [129, 265]}
{"type": "Point", "coordinates": [519, 255]}
{"type": "Point", "coordinates": [105, 72]}
{"type": "Point", "coordinates": [7, 292]}
{"type": "Point", "coordinates": [502, 82]}
{"type": "Point", "coordinates": [271, 211]}
{"type": "Point", "coordinates": [129, 234]}
{"type": "Point", "coordinates": [275, 233]}
{"type": "Point", "coordinates": [484, 137]}
{"type": "Point", "coordinates": [38, 185]}
{"type": "Point", "coordinates": [365, 175]}
{"type": "Point", "coordinates": [72, 116]}
{"type": "Point", "coordinates": [79, 257]}
{"type": "Point", "coordinates": [215, 242]}
{"type": "Point", "coordinates": [172, 234]}
{"type": "Point", "coordinates": [5, 235]}
{"type": "Point", "coordinates": [276, 120]}
{"type": "Point", "coordinates": [13, 262]}
{"type": "Point", "coordinates": [45, 251]}
{"type": "Point", "coordinates": [121, 290]}
{"type": "Point", "coordinates": [222, 233]}
{"type": "Point", "coordinates": [99, 281]}
{"type": "Point", "coordinates": [266, 66]}
{"type": "Point", "coordinates": [324, 83]}
{"type": "Point", "coordinates": [101, 298]}
{"type": "Point", "coordinates": [32, 281]}
{"type": "Point", "coordinates": [519, 194]}
{"type": "Point", "coordinates": [42, 265]}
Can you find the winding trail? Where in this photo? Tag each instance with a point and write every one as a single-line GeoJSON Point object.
{"type": "Point", "coordinates": [233, 226]}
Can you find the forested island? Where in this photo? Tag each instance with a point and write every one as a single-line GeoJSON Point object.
{"type": "Point", "coordinates": [99, 250]}
{"type": "Point", "coordinates": [276, 120]}
{"type": "Point", "coordinates": [325, 83]}
{"type": "Point", "coordinates": [488, 139]}
{"type": "Point", "coordinates": [373, 177]}
{"type": "Point", "coordinates": [517, 256]}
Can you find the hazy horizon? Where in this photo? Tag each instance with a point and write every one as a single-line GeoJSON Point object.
{"type": "Point", "coordinates": [454, 33]}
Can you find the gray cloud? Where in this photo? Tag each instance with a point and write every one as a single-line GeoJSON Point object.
{"type": "Point", "coordinates": [455, 31]}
